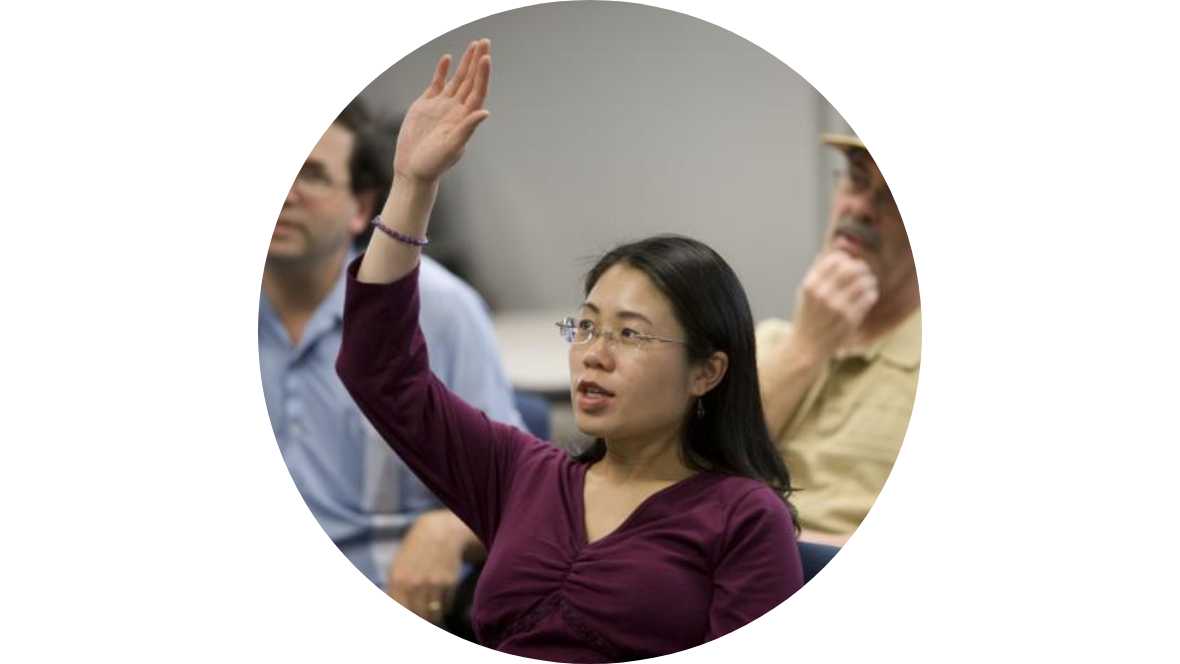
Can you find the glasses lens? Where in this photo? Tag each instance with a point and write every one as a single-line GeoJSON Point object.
{"type": "Point", "coordinates": [566, 327]}
{"type": "Point", "coordinates": [584, 331]}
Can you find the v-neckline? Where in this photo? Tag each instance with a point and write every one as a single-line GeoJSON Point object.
{"type": "Point", "coordinates": [580, 506]}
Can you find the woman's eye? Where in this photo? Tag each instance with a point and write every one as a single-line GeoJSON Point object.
{"type": "Point", "coordinates": [585, 325]}
{"type": "Point", "coordinates": [628, 333]}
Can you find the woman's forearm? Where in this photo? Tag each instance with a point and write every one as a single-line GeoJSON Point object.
{"type": "Point", "coordinates": [432, 139]}
{"type": "Point", "coordinates": [407, 211]}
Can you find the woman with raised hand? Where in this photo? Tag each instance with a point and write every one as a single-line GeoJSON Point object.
{"type": "Point", "coordinates": [674, 527]}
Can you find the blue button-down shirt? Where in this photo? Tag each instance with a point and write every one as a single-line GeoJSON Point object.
{"type": "Point", "coordinates": [358, 490]}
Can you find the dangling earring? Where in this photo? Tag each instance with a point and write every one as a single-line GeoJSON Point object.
{"type": "Point", "coordinates": [700, 409]}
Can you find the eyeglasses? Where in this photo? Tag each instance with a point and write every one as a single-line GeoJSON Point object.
{"type": "Point", "coordinates": [313, 181]}
{"type": "Point", "coordinates": [854, 181]}
{"type": "Point", "coordinates": [584, 331]}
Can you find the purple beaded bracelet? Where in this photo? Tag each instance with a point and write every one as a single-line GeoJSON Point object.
{"type": "Point", "coordinates": [400, 237]}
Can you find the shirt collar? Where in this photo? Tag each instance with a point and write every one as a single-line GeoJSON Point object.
{"type": "Point", "coordinates": [329, 313]}
{"type": "Point", "coordinates": [902, 346]}
{"type": "Point", "coordinates": [334, 303]}
{"type": "Point", "coordinates": [268, 318]}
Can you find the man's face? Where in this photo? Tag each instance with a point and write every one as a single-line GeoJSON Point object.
{"type": "Point", "coordinates": [321, 215]}
{"type": "Point", "coordinates": [866, 223]}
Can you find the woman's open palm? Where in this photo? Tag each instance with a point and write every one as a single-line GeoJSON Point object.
{"type": "Point", "coordinates": [441, 121]}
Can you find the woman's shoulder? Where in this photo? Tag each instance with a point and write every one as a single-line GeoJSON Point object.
{"type": "Point", "coordinates": [537, 455]}
{"type": "Point", "coordinates": [744, 512]}
{"type": "Point", "coordinates": [743, 495]}
{"type": "Point", "coordinates": [735, 486]}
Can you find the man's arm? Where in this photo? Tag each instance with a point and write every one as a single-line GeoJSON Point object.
{"type": "Point", "coordinates": [444, 527]}
{"type": "Point", "coordinates": [785, 372]}
{"type": "Point", "coordinates": [425, 573]}
{"type": "Point", "coordinates": [463, 538]}
{"type": "Point", "coordinates": [834, 298]}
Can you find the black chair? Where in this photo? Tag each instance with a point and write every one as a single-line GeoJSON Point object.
{"type": "Point", "coordinates": [534, 410]}
{"type": "Point", "coordinates": [814, 557]}
{"type": "Point", "coordinates": [458, 620]}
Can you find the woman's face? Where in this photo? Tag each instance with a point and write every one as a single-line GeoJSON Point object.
{"type": "Point", "coordinates": [622, 392]}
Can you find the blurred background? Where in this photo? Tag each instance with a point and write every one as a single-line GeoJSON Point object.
{"type": "Point", "coordinates": [612, 122]}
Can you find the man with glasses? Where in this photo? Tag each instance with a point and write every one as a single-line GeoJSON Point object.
{"type": "Point", "coordinates": [839, 381]}
{"type": "Point", "coordinates": [358, 490]}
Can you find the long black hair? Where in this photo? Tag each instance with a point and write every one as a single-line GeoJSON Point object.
{"type": "Point", "coordinates": [709, 302]}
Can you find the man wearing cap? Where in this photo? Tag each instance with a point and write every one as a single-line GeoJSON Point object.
{"type": "Point", "coordinates": [839, 380]}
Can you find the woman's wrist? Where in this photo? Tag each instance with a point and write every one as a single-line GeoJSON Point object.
{"type": "Point", "coordinates": [408, 207]}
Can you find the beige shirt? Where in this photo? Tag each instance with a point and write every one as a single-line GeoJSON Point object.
{"type": "Point", "coordinates": [842, 441]}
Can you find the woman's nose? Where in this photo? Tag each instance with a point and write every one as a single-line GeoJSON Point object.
{"type": "Point", "coordinates": [598, 352]}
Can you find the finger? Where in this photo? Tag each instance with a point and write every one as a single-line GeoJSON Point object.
{"type": "Point", "coordinates": [843, 301]}
{"type": "Point", "coordinates": [816, 279]}
{"type": "Point", "coordinates": [861, 265]}
{"type": "Point", "coordinates": [857, 297]}
{"type": "Point", "coordinates": [849, 273]}
{"type": "Point", "coordinates": [428, 602]}
{"type": "Point", "coordinates": [440, 76]}
{"type": "Point", "coordinates": [409, 591]}
{"type": "Point", "coordinates": [845, 261]}
{"type": "Point", "coordinates": [446, 600]}
{"type": "Point", "coordinates": [825, 275]}
{"type": "Point", "coordinates": [461, 72]}
{"type": "Point", "coordinates": [472, 81]}
{"type": "Point", "coordinates": [473, 94]}
{"type": "Point", "coordinates": [827, 265]}
{"type": "Point", "coordinates": [480, 89]}
{"type": "Point", "coordinates": [418, 601]}
{"type": "Point", "coordinates": [860, 294]}
{"type": "Point", "coordinates": [864, 300]}
{"type": "Point", "coordinates": [472, 73]}
{"type": "Point", "coordinates": [839, 267]}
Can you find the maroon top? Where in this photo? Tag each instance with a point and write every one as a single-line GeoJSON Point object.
{"type": "Point", "coordinates": [694, 561]}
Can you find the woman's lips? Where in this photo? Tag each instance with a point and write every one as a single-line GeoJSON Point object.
{"type": "Point", "coordinates": [592, 398]}
{"type": "Point", "coordinates": [593, 403]}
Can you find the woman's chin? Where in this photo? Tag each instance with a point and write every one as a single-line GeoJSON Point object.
{"type": "Point", "coordinates": [593, 427]}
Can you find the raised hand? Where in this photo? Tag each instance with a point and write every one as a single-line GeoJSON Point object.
{"type": "Point", "coordinates": [439, 123]}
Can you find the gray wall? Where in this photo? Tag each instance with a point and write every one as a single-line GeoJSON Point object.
{"type": "Point", "coordinates": [613, 121]}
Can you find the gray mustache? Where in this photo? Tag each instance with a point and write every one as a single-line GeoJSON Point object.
{"type": "Point", "coordinates": [860, 232]}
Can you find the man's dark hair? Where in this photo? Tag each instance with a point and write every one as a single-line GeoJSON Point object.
{"type": "Point", "coordinates": [370, 169]}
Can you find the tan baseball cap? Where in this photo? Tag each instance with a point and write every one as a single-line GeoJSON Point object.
{"type": "Point", "coordinates": [844, 143]}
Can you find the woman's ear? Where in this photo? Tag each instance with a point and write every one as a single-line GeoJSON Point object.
{"type": "Point", "coordinates": [707, 374]}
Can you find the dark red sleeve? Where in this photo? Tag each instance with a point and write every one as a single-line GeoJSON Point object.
{"type": "Point", "coordinates": [463, 457]}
